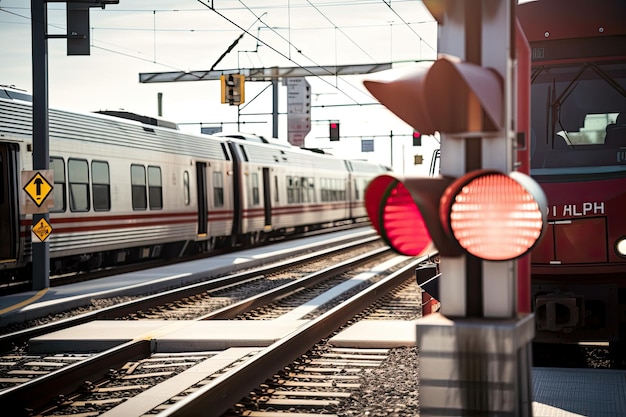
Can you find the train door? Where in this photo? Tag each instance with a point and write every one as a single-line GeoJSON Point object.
{"type": "Point", "coordinates": [9, 224]}
{"type": "Point", "coordinates": [267, 197]}
{"type": "Point", "coordinates": [203, 215]}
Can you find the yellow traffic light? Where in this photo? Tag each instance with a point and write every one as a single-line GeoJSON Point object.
{"type": "Point", "coordinates": [233, 91]}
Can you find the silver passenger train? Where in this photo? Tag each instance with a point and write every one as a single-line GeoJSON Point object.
{"type": "Point", "coordinates": [131, 190]}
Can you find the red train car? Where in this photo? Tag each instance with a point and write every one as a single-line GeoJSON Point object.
{"type": "Point", "coordinates": [578, 155]}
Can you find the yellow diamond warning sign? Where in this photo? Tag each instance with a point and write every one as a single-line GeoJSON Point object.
{"type": "Point", "coordinates": [38, 188]}
{"type": "Point", "coordinates": [42, 229]}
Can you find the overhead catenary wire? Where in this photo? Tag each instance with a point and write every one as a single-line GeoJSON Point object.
{"type": "Point", "coordinates": [210, 5]}
{"type": "Point", "coordinates": [279, 52]}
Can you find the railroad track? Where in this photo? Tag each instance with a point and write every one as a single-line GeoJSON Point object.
{"type": "Point", "coordinates": [97, 367]}
{"type": "Point", "coordinates": [12, 339]}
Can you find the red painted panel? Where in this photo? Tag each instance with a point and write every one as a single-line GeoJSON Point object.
{"type": "Point", "coordinates": [581, 241]}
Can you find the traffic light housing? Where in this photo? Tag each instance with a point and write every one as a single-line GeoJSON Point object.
{"type": "Point", "coordinates": [485, 213]}
{"type": "Point", "coordinates": [233, 89]}
{"type": "Point", "coordinates": [333, 131]}
{"type": "Point", "coordinates": [417, 138]}
{"type": "Point", "coordinates": [77, 19]}
{"type": "Point", "coordinates": [449, 96]}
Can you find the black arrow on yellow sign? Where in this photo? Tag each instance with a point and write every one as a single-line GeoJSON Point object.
{"type": "Point", "coordinates": [38, 188]}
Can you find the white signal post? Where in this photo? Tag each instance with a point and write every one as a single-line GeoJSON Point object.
{"type": "Point", "coordinates": [476, 356]}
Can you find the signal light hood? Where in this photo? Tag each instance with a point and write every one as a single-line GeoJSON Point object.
{"type": "Point", "coordinates": [446, 96]}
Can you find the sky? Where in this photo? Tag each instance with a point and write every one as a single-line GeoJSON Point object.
{"type": "Point", "coordinates": [141, 36]}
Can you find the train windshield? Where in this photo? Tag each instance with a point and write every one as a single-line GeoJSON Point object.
{"type": "Point", "coordinates": [578, 118]}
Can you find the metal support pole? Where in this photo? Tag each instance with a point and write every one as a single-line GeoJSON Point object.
{"type": "Point", "coordinates": [41, 159]}
{"type": "Point", "coordinates": [391, 149]}
{"type": "Point", "coordinates": [275, 103]}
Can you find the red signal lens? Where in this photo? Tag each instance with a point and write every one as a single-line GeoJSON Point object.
{"type": "Point", "coordinates": [396, 217]}
{"type": "Point", "coordinates": [494, 216]}
{"type": "Point", "coordinates": [402, 223]}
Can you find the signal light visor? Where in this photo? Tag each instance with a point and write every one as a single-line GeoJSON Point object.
{"type": "Point", "coordinates": [494, 216]}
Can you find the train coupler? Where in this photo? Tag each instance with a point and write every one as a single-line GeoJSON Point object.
{"type": "Point", "coordinates": [559, 312]}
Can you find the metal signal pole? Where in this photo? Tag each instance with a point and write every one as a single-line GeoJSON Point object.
{"type": "Point", "coordinates": [41, 157]}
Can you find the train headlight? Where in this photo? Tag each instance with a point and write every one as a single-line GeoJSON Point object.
{"type": "Point", "coordinates": [620, 246]}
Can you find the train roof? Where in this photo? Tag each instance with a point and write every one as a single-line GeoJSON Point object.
{"type": "Point", "coordinates": [11, 92]}
{"type": "Point", "coordinates": [253, 138]}
{"type": "Point", "coordinates": [16, 121]}
{"type": "Point", "coordinates": [147, 120]}
{"type": "Point", "coordinates": [127, 129]}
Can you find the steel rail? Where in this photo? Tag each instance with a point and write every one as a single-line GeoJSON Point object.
{"type": "Point", "coordinates": [9, 340]}
{"type": "Point", "coordinates": [215, 398]}
{"type": "Point", "coordinates": [22, 399]}
{"type": "Point", "coordinates": [290, 288]}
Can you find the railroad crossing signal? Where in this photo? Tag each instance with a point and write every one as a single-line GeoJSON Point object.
{"type": "Point", "coordinates": [480, 214]}
{"type": "Point", "coordinates": [487, 214]}
{"type": "Point", "coordinates": [233, 91]}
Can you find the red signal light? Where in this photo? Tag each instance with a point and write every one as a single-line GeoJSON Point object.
{"type": "Point", "coordinates": [404, 226]}
{"type": "Point", "coordinates": [486, 213]}
{"type": "Point", "coordinates": [333, 128]}
{"type": "Point", "coordinates": [407, 219]}
{"type": "Point", "coordinates": [494, 216]}
{"type": "Point", "coordinates": [417, 138]}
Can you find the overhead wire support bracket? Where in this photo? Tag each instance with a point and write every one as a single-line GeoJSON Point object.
{"type": "Point", "coordinates": [263, 74]}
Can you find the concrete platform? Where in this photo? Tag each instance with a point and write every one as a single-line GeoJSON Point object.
{"type": "Point", "coordinates": [167, 336]}
{"type": "Point", "coordinates": [377, 334]}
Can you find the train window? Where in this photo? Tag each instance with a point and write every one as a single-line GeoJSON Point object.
{"type": "Point", "coordinates": [294, 191]}
{"type": "Point", "coordinates": [308, 190]}
{"type": "Point", "coordinates": [186, 194]}
{"type": "Point", "coordinates": [289, 190]}
{"type": "Point", "coordinates": [574, 116]}
{"type": "Point", "coordinates": [155, 188]}
{"type": "Point", "coordinates": [218, 189]}
{"type": "Point", "coordinates": [78, 179]}
{"type": "Point", "coordinates": [311, 190]}
{"type": "Point", "coordinates": [255, 189]}
{"type": "Point", "coordinates": [100, 186]}
{"type": "Point", "coordinates": [333, 189]}
{"type": "Point", "coordinates": [138, 187]}
{"type": "Point", "coordinates": [304, 182]}
{"type": "Point", "coordinates": [57, 165]}
{"type": "Point", "coordinates": [341, 190]}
